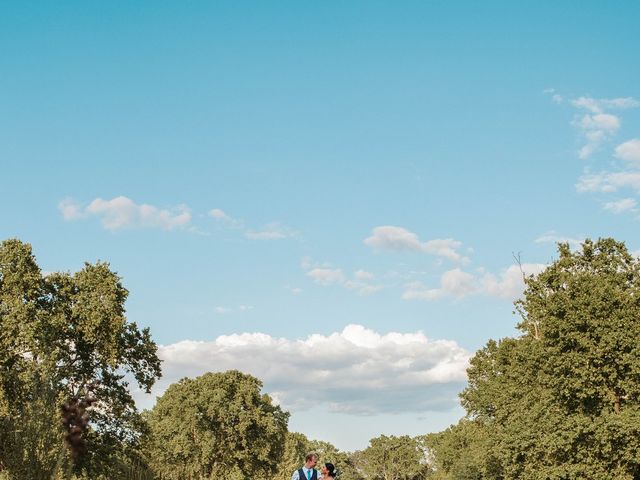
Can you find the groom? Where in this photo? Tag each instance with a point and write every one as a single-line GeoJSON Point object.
{"type": "Point", "coordinates": [307, 472]}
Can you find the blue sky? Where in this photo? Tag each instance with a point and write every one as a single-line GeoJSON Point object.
{"type": "Point", "coordinates": [289, 169]}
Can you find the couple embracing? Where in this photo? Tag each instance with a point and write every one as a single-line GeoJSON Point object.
{"type": "Point", "coordinates": [309, 472]}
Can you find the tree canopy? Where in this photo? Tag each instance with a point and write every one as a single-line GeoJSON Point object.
{"type": "Point", "coordinates": [562, 400]}
{"type": "Point", "coordinates": [218, 424]}
{"type": "Point", "coordinates": [64, 336]}
{"type": "Point", "coordinates": [393, 458]}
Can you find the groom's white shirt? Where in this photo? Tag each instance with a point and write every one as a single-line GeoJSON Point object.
{"type": "Point", "coordinates": [296, 476]}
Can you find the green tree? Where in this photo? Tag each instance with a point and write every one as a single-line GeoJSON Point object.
{"type": "Point", "coordinates": [296, 446]}
{"type": "Point", "coordinates": [463, 452]}
{"type": "Point", "coordinates": [216, 425]}
{"type": "Point", "coordinates": [562, 401]}
{"type": "Point", "coordinates": [61, 336]}
{"type": "Point", "coordinates": [343, 461]}
{"type": "Point", "coordinates": [394, 458]}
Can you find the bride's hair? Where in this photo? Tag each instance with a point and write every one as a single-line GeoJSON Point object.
{"type": "Point", "coordinates": [332, 469]}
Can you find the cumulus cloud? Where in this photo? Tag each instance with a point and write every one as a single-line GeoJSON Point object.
{"type": "Point", "coordinates": [510, 283]}
{"type": "Point", "coordinates": [365, 372]}
{"type": "Point", "coordinates": [630, 152]}
{"type": "Point", "coordinates": [390, 237]}
{"type": "Point", "coordinates": [71, 209]}
{"type": "Point", "coordinates": [122, 212]}
{"type": "Point", "coordinates": [458, 284]}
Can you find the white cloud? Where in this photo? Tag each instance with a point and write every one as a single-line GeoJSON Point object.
{"type": "Point", "coordinates": [454, 283]}
{"type": "Point", "coordinates": [608, 182]}
{"type": "Point", "coordinates": [630, 152]}
{"type": "Point", "coordinates": [324, 274]}
{"type": "Point", "coordinates": [601, 121]}
{"type": "Point", "coordinates": [597, 126]}
{"type": "Point", "coordinates": [510, 283]}
{"type": "Point", "coordinates": [555, 97]}
{"type": "Point", "coordinates": [621, 206]}
{"type": "Point", "coordinates": [365, 289]}
{"type": "Point", "coordinates": [595, 105]}
{"type": "Point", "coordinates": [327, 276]}
{"type": "Point", "coordinates": [553, 237]}
{"type": "Point", "coordinates": [363, 275]}
{"type": "Point", "coordinates": [273, 231]}
{"type": "Point", "coordinates": [361, 287]}
{"type": "Point", "coordinates": [71, 209]}
{"type": "Point", "coordinates": [219, 214]}
{"type": "Point", "coordinates": [389, 237]}
{"type": "Point", "coordinates": [458, 284]}
{"type": "Point", "coordinates": [357, 370]}
{"type": "Point", "coordinates": [228, 310]}
{"type": "Point", "coordinates": [122, 212]}
{"type": "Point", "coordinates": [596, 129]}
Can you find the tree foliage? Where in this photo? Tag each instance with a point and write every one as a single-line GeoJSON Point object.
{"type": "Point", "coordinates": [561, 401]}
{"type": "Point", "coordinates": [462, 452]}
{"type": "Point", "coordinates": [393, 458]}
{"type": "Point", "coordinates": [343, 461]}
{"type": "Point", "coordinates": [62, 335]}
{"type": "Point", "coordinates": [296, 446]}
{"type": "Point", "coordinates": [217, 425]}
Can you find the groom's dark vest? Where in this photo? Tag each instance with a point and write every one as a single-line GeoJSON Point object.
{"type": "Point", "coordinates": [302, 476]}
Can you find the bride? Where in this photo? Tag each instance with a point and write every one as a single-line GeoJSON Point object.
{"type": "Point", "coordinates": [328, 471]}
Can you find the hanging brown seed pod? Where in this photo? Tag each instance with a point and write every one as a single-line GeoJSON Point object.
{"type": "Point", "coordinates": [75, 420]}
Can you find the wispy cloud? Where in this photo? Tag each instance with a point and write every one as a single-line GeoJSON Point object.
{"type": "Point", "coordinates": [595, 128]}
{"type": "Point", "coordinates": [394, 238]}
{"type": "Point", "coordinates": [599, 105]}
{"type": "Point", "coordinates": [555, 96]}
{"type": "Point", "coordinates": [455, 283]}
{"type": "Point", "coordinates": [271, 231]}
{"type": "Point", "coordinates": [598, 124]}
{"type": "Point", "coordinates": [360, 281]}
{"type": "Point", "coordinates": [327, 276]}
{"type": "Point", "coordinates": [458, 284]}
{"type": "Point", "coordinates": [220, 310]}
{"type": "Point", "coordinates": [366, 373]}
{"type": "Point", "coordinates": [608, 182]}
{"type": "Point", "coordinates": [552, 237]}
{"type": "Point", "coordinates": [122, 212]}
{"type": "Point", "coordinates": [621, 206]}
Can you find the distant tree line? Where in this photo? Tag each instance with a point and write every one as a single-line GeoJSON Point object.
{"type": "Point", "coordinates": [559, 401]}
